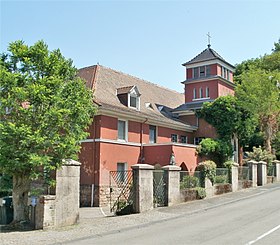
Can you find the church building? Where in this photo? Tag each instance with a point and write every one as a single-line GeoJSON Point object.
{"type": "Point", "coordinates": [141, 122]}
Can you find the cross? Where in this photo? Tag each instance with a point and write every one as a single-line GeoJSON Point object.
{"type": "Point", "coordinates": [208, 35]}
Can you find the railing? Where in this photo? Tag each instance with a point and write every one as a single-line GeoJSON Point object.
{"type": "Point", "coordinates": [243, 173]}
{"type": "Point", "coordinates": [222, 176]}
{"type": "Point", "coordinates": [271, 170]}
{"type": "Point", "coordinates": [190, 179]}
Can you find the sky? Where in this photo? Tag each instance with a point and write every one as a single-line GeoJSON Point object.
{"type": "Point", "coordinates": [146, 39]}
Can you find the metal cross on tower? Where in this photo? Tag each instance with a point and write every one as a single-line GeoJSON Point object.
{"type": "Point", "coordinates": [208, 35]}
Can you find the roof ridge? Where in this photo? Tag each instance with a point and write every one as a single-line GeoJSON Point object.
{"type": "Point", "coordinates": [126, 74]}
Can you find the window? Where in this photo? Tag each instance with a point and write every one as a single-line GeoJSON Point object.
{"type": "Point", "coordinates": [122, 130]}
{"type": "Point", "coordinates": [121, 168]}
{"type": "Point", "coordinates": [208, 70]}
{"type": "Point", "coordinates": [197, 140]}
{"type": "Point", "coordinates": [200, 93]}
{"type": "Point", "coordinates": [195, 72]}
{"type": "Point", "coordinates": [228, 78]}
{"type": "Point", "coordinates": [152, 134]}
{"type": "Point", "coordinates": [194, 93]}
{"type": "Point", "coordinates": [202, 71]}
{"type": "Point", "coordinates": [174, 138]}
{"type": "Point", "coordinates": [134, 101]}
{"type": "Point", "coordinates": [183, 139]}
{"type": "Point", "coordinates": [207, 92]}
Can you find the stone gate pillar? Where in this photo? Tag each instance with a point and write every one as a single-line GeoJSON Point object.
{"type": "Point", "coordinates": [253, 172]}
{"type": "Point", "coordinates": [172, 174]}
{"type": "Point", "coordinates": [142, 187]}
{"type": "Point", "coordinates": [234, 177]}
{"type": "Point", "coordinates": [277, 167]}
{"type": "Point", "coordinates": [262, 173]}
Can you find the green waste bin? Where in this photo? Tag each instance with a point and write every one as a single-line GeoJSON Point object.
{"type": "Point", "coordinates": [7, 212]}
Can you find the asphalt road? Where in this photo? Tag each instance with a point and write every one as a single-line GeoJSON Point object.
{"type": "Point", "coordinates": [247, 220]}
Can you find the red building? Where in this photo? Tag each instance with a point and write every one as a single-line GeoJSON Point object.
{"type": "Point", "coordinates": [141, 122]}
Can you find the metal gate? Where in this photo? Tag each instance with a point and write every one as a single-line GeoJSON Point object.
{"type": "Point", "coordinates": [160, 191]}
{"type": "Point", "coordinates": [121, 192]}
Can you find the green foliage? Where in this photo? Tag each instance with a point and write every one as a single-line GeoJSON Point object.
{"type": "Point", "coordinates": [45, 109]}
{"type": "Point", "coordinates": [189, 182]}
{"type": "Point", "coordinates": [201, 193]}
{"type": "Point", "coordinates": [208, 169]}
{"type": "Point", "coordinates": [217, 150]}
{"type": "Point", "coordinates": [276, 46]}
{"type": "Point", "coordinates": [258, 154]}
{"type": "Point", "coordinates": [276, 145]}
{"type": "Point", "coordinates": [6, 185]}
{"type": "Point", "coordinates": [228, 164]}
{"type": "Point", "coordinates": [229, 118]}
{"type": "Point", "coordinates": [259, 92]}
{"type": "Point", "coordinates": [221, 179]}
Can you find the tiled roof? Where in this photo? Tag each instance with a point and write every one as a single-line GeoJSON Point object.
{"type": "Point", "coordinates": [205, 55]}
{"type": "Point", "coordinates": [124, 90]}
{"type": "Point", "coordinates": [107, 81]}
{"type": "Point", "coordinates": [191, 105]}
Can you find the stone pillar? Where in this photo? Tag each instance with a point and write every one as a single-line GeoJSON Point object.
{"type": "Point", "coordinates": [172, 174]}
{"type": "Point", "coordinates": [143, 187]}
{"type": "Point", "coordinates": [262, 173]}
{"type": "Point", "coordinates": [209, 188]}
{"type": "Point", "coordinates": [234, 177]}
{"type": "Point", "coordinates": [67, 193]}
{"type": "Point", "coordinates": [253, 175]}
{"type": "Point", "coordinates": [277, 167]}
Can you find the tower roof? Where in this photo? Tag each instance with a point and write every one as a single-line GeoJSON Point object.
{"type": "Point", "coordinates": [206, 55]}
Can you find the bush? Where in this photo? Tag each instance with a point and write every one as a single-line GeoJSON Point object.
{"type": "Point", "coordinates": [260, 155]}
{"type": "Point", "coordinates": [208, 169]}
{"type": "Point", "coordinates": [221, 179]}
{"type": "Point", "coordinates": [189, 182]}
{"type": "Point", "coordinates": [201, 193]}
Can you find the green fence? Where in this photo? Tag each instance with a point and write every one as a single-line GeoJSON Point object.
{"type": "Point", "coordinates": [243, 173]}
{"type": "Point", "coordinates": [191, 179]}
{"type": "Point", "coordinates": [271, 170]}
{"type": "Point", "coordinates": [222, 176]}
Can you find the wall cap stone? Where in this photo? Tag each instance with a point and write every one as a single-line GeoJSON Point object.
{"type": "Point", "coordinates": [143, 166]}
{"type": "Point", "coordinates": [234, 164]}
{"type": "Point", "coordinates": [171, 168]}
{"type": "Point", "coordinates": [276, 161]}
{"type": "Point", "coordinates": [263, 162]}
{"type": "Point", "coordinates": [253, 162]}
{"type": "Point", "coordinates": [70, 162]}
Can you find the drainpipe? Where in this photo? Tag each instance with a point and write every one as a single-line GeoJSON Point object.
{"type": "Point", "coordinates": [141, 142]}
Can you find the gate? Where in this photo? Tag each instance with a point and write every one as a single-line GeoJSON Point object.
{"type": "Point", "coordinates": [159, 184]}
{"type": "Point", "coordinates": [121, 192]}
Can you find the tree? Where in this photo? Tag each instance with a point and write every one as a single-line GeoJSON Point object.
{"type": "Point", "coordinates": [259, 93]}
{"type": "Point", "coordinates": [231, 120]}
{"type": "Point", "coordinates": [45, 109]}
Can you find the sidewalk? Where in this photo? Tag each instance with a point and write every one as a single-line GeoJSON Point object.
{"type": "Point", "coordinates": [93, 222]}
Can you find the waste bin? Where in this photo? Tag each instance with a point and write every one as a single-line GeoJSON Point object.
{"type": "Point", "coordinates": [7, 212]}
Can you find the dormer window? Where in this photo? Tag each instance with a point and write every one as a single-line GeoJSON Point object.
{"type": "Point", "coordinates": [129, 96]}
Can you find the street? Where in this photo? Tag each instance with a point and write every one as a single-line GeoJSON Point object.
{"type": "Point", "coordinates": [253, 220]}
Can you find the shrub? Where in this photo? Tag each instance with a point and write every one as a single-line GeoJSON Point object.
{"type": "Point", "coordinates": [258, 154]}
{"type": "Point", "coordinates": [201, 193]}
{"type": "Point", "coordinates": [221, 179]}
{"type": "Point", "coordinates": [208, 169]}
{"type": "Point", "coordinates": [189, 182]}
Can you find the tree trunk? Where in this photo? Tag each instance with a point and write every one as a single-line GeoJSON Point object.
{"type": "Point", "coordinates": [21, 187]}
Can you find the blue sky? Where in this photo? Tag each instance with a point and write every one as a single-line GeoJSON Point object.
{"type": "Point", "coordinates": [147, 39]}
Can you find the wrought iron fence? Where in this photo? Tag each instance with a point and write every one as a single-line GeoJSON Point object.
{"type": "Point", "coordinates": [243, 173]}
{"type": "Point", "coordinates": [121, 191]}
{"type": "Point", "coordinates": [190, 179]}
{"type": "Point", "coordinates": [159, 188]}
{"type": "Point", "coordinates": [222, 176]}
{"type": "Point", "coordinates": [271, 169]}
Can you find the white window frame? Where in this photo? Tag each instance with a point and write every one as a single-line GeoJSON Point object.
{"type": "Point", "coordinates": [207, 92]}
{"type": "Point", "coordinates": [176, 138]}
{"type": "Point", "coordinates": [121, 174]}
{"type": "Point", "coordinates": [194, 94]}
{"type": "Point", "coordinates": [186, 137]}
{"type": "Point", "coordinates": [134, 94]}
{"type": "Point", "coordinates": [201, 92]}
{"type": "Point", "coordinates": [125, 130]}
{"type": "Point", "coordinates": [156, 134]}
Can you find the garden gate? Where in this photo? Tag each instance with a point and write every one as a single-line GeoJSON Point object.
{"type": "Point", "coordinates": [159, 185]}
{"type": "Point", "coordinates": [121, 192]}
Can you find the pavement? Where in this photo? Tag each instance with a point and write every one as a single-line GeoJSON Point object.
{"type": "Point", "coordinates": [99, 221]}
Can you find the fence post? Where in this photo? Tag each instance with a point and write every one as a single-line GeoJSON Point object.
{"type": "Point", "coordinates": [262, 173]}
{"type": "Point", "coordinates": [172, 174]}
{"type": "Point", "coordinates": [209, 188]}
{"type": "Point", "coordinates": [277, 167]}
{"type": "Point", "coordinates": [143, 187]}
{"type": "Point", "coordinates": [253, 172]}
{"type": "Point", "coordinates": [234, 177]}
